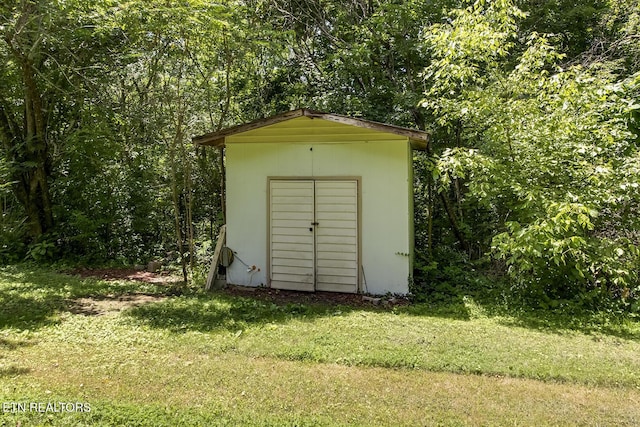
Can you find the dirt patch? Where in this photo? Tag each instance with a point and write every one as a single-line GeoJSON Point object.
{"type": "Point", "coordinates": [116, 303]}
{"type": "Point", "coordinates": [127, 274]}
{"type": "Point", "coordinates": [91, 306]}
{"type": "Point", "coordinates": [111, 304]}
{"type": "Point", "coordinates": [327, 298]}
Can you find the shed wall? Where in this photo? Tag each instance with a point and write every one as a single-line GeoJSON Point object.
{"type": "Point", "coordinates": [386, 216]}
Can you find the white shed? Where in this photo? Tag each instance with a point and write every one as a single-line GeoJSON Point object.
{"type": "Point", "coordinates": [319, 202]}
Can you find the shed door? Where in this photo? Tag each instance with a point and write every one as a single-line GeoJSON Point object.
{"type": "Point", "coordinates": [336, 205]}
{"type": "Point", "coordinates": [291, 236]}
{"type": "Point", "coordinates": [314, 237]}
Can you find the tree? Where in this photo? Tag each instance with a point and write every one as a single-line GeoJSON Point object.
{"type": "Point", "coordinates": [24, 134]}
{"type": "Point", "coordinates": [52, 56]}
{"type": "Point", "coordinates": [547, 151]}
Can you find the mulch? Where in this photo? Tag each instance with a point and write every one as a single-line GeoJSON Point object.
{"type": "Point", "coordinates": [276, 296]}
{"type": "Point", "coordinates": [293, 297]}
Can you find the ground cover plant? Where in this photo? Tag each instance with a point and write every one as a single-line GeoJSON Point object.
{"type": "Point", "coordinates": [142, 354]}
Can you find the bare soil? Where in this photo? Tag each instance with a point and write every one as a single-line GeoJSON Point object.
{"type": "Point", "coordinates": [91, 306]}
{"type": "Point", "coordinates": [115, 304]}
{"type": "Point", "coordinates": [329, 298]}
{"type": "Point", "coordinates": [127, 274]}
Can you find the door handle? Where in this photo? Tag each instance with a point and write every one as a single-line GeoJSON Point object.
{"type": "Point", "coordinates": [315, 223]}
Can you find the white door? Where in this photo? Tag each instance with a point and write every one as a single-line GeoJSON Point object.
{"type": "Point", "coordinates": [291, 236]}
{"type": "Point", "coordinates": [336, 209]}
{"type": "Point", "coordinates": [314, 235]}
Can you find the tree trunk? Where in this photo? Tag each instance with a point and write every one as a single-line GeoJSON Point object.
{"type": "Point", "coordinates": [223, 202]}
{"type": "Point", "coordinates": [454, 222]}
{"type": "Point", "coordinates": [188, 185]}
{"type": "Point", "coordinates": [175, 195]}
{"type": "Point", "coordinates": [431, 207]}
{"type": "Point", "coordinates": [26, 148]}
{"type": "Point", "coordinates": [451, 215]}
{"type": "Point", "coordinates": [24, 135]}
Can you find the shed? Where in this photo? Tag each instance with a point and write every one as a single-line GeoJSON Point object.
{"type": "Point", "coordinates": [319, 202]}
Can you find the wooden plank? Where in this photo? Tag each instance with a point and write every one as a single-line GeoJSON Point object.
{"type": "Point", "coordinates": [280, 207]}
{"type": "Point", "coordinates": [294, 238]}
{"type": "Point", "coordinates": [213, 269]}
{"type": "Point", "coordinates": [337, 208]}
{"type": "Point", "coordinates": [336, 240]}
{"type": "Point", "coordinates": [291, 191]}
{"type": "Point", "coordinates": [334, 263]}
{"type": "Point", "coordinates": [337, 256]}
{"type": "Point", "coordinates": [293, 286]}
{"type": "Point", "coordinates": [337, 184]}
{"type": "Point", "coordinates": [292, 255]}
{"type": "Point", "coordinates": [283, 224]}
{"type": "Point", "coordinates": [350, 271]}
{"type": "Point", "coordinates": [336, 287]}
{"type": "Point", "coordinates": [342, 280]}
{"type": "Point", "coordinates": [291, 200]}
{"type": "Point", "coordinates": [291, 215]}
{"type": "Point", "coordinates": [292, 247]}
{"type": "Point", "coordinates": [340, 225]}
{"type": "Point", "coordinates": [335, 192]}
{"type": "Point", "coordinates": [304, 270]}
{"type": "Point", "coordinates": [323, 216]}
{"type": "Point", "coordinates": [303, 279]}
{"type": "Point", "coordinates": [278, 184]}
{"type": "Point", "coordinates": [290, 261]}
{"type": "Point", "coordinates": [335, 204]}
{"type": "Point", "coordinates": [338, 232]}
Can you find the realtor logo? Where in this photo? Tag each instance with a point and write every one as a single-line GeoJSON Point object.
{"type": "Point", "coordinates": [44, 407]}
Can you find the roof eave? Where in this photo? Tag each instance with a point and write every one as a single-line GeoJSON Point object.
{"type": "Point", "coordinates": [419, 144]}
{"type": "Point", "coordinates": [418, 139]}
{"type": "Point", "coordinates": [217, 138]}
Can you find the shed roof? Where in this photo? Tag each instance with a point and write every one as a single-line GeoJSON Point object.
{"type": "Point", "coordinates": [418, 139]}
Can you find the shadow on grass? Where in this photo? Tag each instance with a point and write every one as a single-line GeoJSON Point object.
{"type": "Point", "coordinates": [26, 312]}
{"type": "Point", "coordinates": [10, 344]}
{"type": "Point", "coordinates": [219, 311]}
{"type": "Point", "coordinates": [454, 308]}
{"type": "Point", "coordinates": [31, 297]}
{"type": "Point", "coordinates": [557, 321]}
{"type": "Point", "coordinates": [13, 371]}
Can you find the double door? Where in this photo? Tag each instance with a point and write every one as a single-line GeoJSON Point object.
{"type": "Point", "coordinates": [313, 234]}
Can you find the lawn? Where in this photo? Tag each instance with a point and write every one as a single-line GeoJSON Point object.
{"type": "Point", "coordinates": [221, 359]}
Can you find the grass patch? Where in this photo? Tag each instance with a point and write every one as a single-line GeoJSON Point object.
{"type": "Point", "coordinates": [32, 297]}
{"type": "Point", "coordinates": [215, 359]}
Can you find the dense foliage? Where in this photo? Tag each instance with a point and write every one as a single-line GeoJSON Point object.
{"type": "Point", "coordinates": [533, 169]}
{"type": "Point", "coordinates": [548, 152]}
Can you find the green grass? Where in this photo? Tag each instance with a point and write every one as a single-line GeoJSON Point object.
{"type": "Point", "coordinates": [215, 359]}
